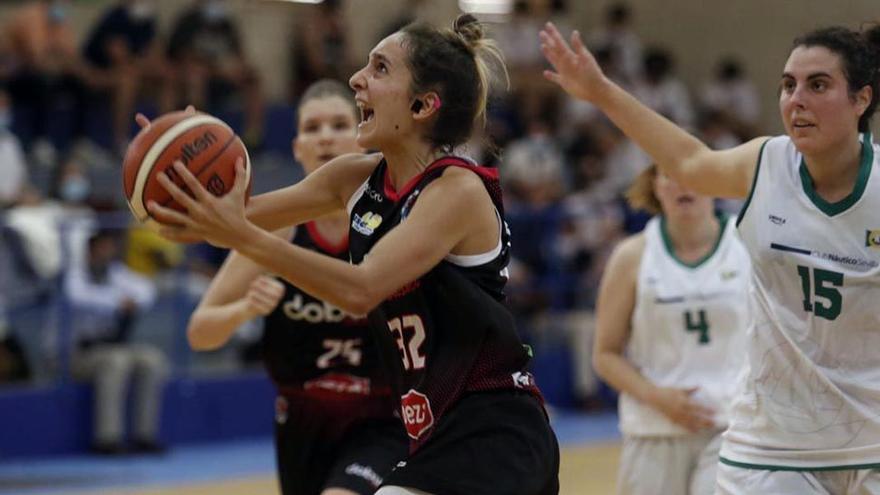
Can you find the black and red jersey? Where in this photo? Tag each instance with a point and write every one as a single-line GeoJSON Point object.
{"type": "Point", "coordinates": [315, 350]}
{"type": "Point", "coordinates": [449, 332]}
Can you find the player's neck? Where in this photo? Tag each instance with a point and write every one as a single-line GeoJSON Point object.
{"type": "Point", "coordinates": [834, 171]}
{"type": "Point", "coordinates": [333, 227]}
{"type": "Point", "coordinates": [693, 237]}
{"type": "Point", "coordinates": [408, 160]}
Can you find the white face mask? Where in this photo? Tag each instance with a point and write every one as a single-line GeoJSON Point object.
{"type": "Point", "coordinates": [75, 189]}
{"type": "Point", "coordinates": [142, 10]}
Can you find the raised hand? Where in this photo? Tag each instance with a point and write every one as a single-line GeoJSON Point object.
{"type": "Point", "coordinates": [574, 68]}
{"type": "Point", "coordinates": [263, 296]}
{"type": "Point", "coordinates": [679, 405]}
{"type": "Point", "coordinates": [220, 221]}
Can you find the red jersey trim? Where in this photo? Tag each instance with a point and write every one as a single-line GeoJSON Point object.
{"type": "Point", "coordinates": [325, 244]}
{"type": "Point", "coordinates": [454, 161]}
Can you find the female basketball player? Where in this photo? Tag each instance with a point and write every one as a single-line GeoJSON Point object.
{"type": "Point", "coordinates": [805, 419]}
{"type": "Point", "coordinates": [335, 433]}
{"type": "Point", "coordinates": [429, 249]}
{"type": "Point", "coordinates": [670, 337]}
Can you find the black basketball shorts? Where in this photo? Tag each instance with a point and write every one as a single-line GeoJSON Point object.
{"type": "Point", "coordinates": [497, 443]}
{"type": "Point", "coordinates": [315, 452]}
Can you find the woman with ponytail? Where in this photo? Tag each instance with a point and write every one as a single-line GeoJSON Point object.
{"type": "Point", "coordinates": [805, 417]}
{"type": "Point", "coordinates": [429, 250]}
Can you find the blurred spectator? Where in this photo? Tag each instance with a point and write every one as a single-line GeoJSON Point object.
{"type": "Point", "coordinates": [149, 253]}
{"type": "Point", "coordinates": [533, 171]}
{"type": "Point", "coordinates": [14, 366]}
{"type": "Point", "coordinates": [106, 298]}
{"type": "Point", "coordinates": [530, 93]}
{"type": "Point", "coordinates": [717, 132]}
{"type": "Point", "coordinates": [618, 36]}
{"type": "Point", "coordinates": [322, 47]}
{"type": "Point", "coordinates": [13, 168]}
{"type": "Point", "coordinates": [661, 90]}
{"type": "Point", "coordinates": [734, 97]}
{"type": "Point", "coordinates": [622, 161]}
{"type": "Point", "coordinates": [206, 49]}
{"type": "Point", "coordinates": [125, 58]}
{"type": "Point", "coordinates": [46, 76]}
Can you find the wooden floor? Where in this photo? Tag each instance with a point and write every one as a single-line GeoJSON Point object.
{"type": "Point", "coordinates": [584, 471]}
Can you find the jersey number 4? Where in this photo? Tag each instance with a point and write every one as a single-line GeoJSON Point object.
{"type": "Point", "coordinates": [700, 325]}
{"type": "Point", "coordinates": [409, 332]}
{"type": "Point", "coordinates": [824, 283]}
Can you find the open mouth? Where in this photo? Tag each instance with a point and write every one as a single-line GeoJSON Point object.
{"type": "Point", "coordinates": [366, 113]}
{"type": "Point", "coordinates": [685, 200]}
{"type": "Point", "coordinates": [801, 124]}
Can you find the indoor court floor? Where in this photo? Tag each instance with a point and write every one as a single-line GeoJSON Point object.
{"type": "Point", "coordinates": [590, 450]}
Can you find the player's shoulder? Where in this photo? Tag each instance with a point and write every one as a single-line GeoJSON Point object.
{"type": "Point", "coordinates": [628, 253]}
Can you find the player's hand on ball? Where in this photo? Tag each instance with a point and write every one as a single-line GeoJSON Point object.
{"type": "Point", "coordinates": [679, 405]}
{"type": "Point", "coordinates": [220, 221]}
{"type": "Point", "coordinates": [263, 296]}
{"type": "Point", "coordinates": [574, 68]}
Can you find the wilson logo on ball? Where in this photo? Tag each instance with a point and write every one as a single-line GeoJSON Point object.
{"type": "Point", "coordinates": [191, 150]}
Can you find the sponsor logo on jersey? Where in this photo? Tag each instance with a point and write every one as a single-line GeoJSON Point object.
{"type": "Point", "coordinates": [872, 238]}
{"type": "Point", "coordinates": [777, 220]}
{"type": "Point", "coordinates": [312, 312]}
{"type": "Point", "coordinates": [415, 408]}
{"type": "Point", "coordinates": [280, 410]}
{"type": "Point", "coordinates": [365, 472]}
{"type": "Point", "coordinates": [373, 194]}
{"type": "Point", "coordinates": [341, 383]}
{"type": "Point", "coordinates": [729, 274]}
{"type": "Point", "coordinates": [366, 224]}
{"type": "Point", "coordinates": [523, 380]}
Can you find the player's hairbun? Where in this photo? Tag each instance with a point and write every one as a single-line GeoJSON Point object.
{"type": "Point", "coordinates": [469, 28]}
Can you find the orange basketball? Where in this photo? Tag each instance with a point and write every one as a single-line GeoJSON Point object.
{"type": "Point", "coordinates": [206, 146]}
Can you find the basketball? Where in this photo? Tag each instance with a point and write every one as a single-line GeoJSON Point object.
{"type": "Point", "coordinates": [206, 146]}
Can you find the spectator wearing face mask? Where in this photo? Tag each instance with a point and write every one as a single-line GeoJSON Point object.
{"type": "Point", "coordinates": [207, 51]}
{"type": "Point", "coordinates": [125, 60]}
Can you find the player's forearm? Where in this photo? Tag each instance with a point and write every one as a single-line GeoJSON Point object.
{"type": "Point", "coordinates": [620, 374]}
{"type": "Point", "coordinates": [670, 146]}
{"type": "Point", "coordinates": [339, 283]}
{"type": "Point", "coordinates": [211, 327]}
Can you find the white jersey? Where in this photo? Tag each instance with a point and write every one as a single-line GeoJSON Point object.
{"type": "Point", "coordinates": [688, 326]}
{"type": "Point", "coordinates": [809, 397]}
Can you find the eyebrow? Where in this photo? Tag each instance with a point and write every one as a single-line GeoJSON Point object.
{"type": "Point", "coordinates": [381, 58]}
{"type": "Point", "coordinates": [812, 76]}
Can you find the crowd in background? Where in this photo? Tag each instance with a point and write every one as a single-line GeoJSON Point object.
{"type": "Point", "coordinates": [66, 117]}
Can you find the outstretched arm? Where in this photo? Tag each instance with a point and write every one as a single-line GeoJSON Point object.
{"type": "Point", "coordinates": [685, 158]}
{"type": "Point", "coordinates": [451, 210]}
